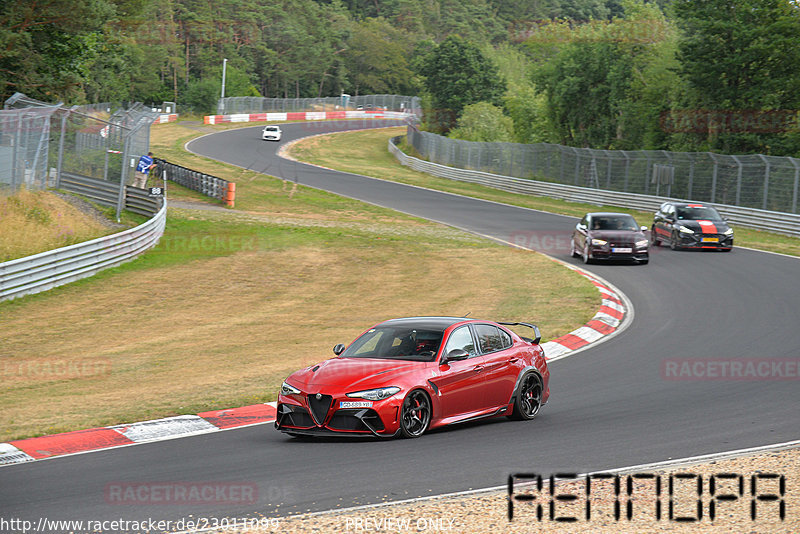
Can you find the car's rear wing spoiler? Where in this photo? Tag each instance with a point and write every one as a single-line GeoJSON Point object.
{"type": "Point", "coordinates": [537, 336]}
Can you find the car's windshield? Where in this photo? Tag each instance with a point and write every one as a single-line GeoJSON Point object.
{"type": "Point", "coordinates": [626, 223]}
{"type": "Point", "coordinates": [698, 213]}
{"type": "Point", "coordinates": [396, 343]}
{"type": "Point", "coordinates": [271, 129]}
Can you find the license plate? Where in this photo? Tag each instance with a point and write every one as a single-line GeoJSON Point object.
{"type": "Point", "coordinates": [710, 240]}
{"type": "Point", "coordinates": [355, 404]}
{"type": "Point", "coordinates": [622, 250]}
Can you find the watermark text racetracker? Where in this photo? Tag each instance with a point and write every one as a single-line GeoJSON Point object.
{"type": "Point", "coordinates": [725, 369]}
{"type": "Point", "coordinates": [80, 526]}
{"type": "Point", "coordinates": [178, 493]}
{"type": "Point", "coordinates": [47, 369]}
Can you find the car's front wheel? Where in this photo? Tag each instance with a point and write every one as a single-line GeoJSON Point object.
{"type": "Point", "coordinates": [586, 256]}
{"type": "Point", "coordinates": [573, 250]}
{"type": "Point", "coordinates": [528, 399]}
{"type": "Point", "coordinates": [415, 416]}
{"type": "Point", "coordinates": [674, 240]}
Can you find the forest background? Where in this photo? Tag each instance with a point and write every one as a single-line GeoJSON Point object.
{"type": "Point", "coordinates": [682, 75]}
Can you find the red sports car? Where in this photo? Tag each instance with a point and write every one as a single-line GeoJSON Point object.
{"type": "Point", "coordinates": [404, 376]}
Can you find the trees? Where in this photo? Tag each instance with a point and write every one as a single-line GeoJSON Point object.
{"type": "Point", "coordinates": [46, 49]}
{"type": "Point", "coordinates": [607, 82]}
{"type": "Point", "coordinates": [377, 59]}
{"type": "Point", "coordinates": [483, 122]}
{"type": "Point", "coordinates": [740, 56]}
{"type": "Point", "coordinates": [458, 74]}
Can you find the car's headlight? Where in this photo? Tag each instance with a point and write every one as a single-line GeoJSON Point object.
{"type": "Point", "coordinates": [729, 231]}
{"type": "Point", "coordinates": [598, 242]}
{"type": "Point", "coordinates": [286, 389]}
{"type": "Point", "coordinates": [642, 243]}
{"type": "Point", "coordinates": [375, 394]}
{"type": "Point", "coordinates": [685, 230]}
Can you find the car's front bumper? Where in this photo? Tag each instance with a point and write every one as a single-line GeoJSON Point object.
{"type": "Point", "coordinates": [627, 252]}
{"type": "Point", "coordinates": [705, 241]}
{"type": "Point", "coordinates": [294, 416]}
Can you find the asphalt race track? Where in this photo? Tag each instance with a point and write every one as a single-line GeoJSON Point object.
{"type": "Point", "coordinates": [611, 405]}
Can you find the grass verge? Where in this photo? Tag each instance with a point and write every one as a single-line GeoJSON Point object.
{"type": "Point", "coordinates": [336, 152]}
{"type": "Point", "coordinates": [231, 301]}
{"type": "Point", "coordinates": [38, 221]}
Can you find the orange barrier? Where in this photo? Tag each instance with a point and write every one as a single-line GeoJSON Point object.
{"type": "Point", "coordinates": [230, 194]}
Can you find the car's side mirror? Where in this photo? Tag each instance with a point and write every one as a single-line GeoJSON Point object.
{"type": "Point", "coordinates": [338, 349]}
{"type": "Point", "coordinates": [643, 228]}
{"type": "Point", "coordinates": [455, 355]}
{"type": "Point", "coordinates": [581, 227]}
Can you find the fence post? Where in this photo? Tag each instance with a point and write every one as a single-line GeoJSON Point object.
{"type": "Point", "coordinates": [60, 163]}
{"type": "Point", "coordinates": [766, 181]}
{"type": "Point", "coordinates": [105, 149]}
{"type": "Point", "coordinates": [691, 177]}
{"type": "Point", "coordinates": [577, 165]}
{"type": "Point", "coordinates": [796, 166]}
{"type": "Point", "coordinates": [738, 180]}
{"type": "Point", "coordinates": [714, 178]}
{"type": "Point", "coordinates": [14, 152]}
{"type": "Point", "coordinates": [126, 154]}
{"type": "Point", "coordinates": [627, 169]}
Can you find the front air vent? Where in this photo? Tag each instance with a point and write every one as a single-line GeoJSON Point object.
{"type": "Point", "coordinates": [319, 407]}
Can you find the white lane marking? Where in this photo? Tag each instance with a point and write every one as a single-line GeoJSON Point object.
{"type": "Point", "coordinates": [552, 350]}
{"type": "Point", "coordinates": [587, 333]}
{"type": "Point", "coordinates": [9, 454]}
{"type": "Point", "coordinates": [182, 425]}
{"type": "Point", "coordinates": [606, 318]}
{"type": "Point", "coordinates": [613, 305]}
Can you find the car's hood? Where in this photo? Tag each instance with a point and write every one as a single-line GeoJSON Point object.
{"type": "Point", "coordinates": [704, 227]}
{"type": "Point", "coordinates": [618, 235]}
{"type": "Point", "coordinates": [341, 375]}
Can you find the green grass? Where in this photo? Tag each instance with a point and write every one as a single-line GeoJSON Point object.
{"type": "Point", "coordinates": [232, 300]}
{"type": "Point", "coordinates": [373, 159]}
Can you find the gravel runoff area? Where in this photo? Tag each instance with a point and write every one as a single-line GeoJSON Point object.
{"type": "Point", "coordinates": [487, 512]}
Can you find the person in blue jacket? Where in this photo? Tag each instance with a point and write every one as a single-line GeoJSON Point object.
{"type": "Point", "coordinates": [142, 170]}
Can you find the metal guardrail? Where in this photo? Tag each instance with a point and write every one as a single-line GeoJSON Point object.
{"type": "Point", "coordinates": [209, 185]}
{"type": "Point", "coordinates": [139, 201]}
{"type": "Point", "coordinates": [783, 223]}
{"type": "Point", "coordinates": [105, 193]}
{"type": "Point", "coordinates": [100, 191]}
{"type": "Point", "coordinates": [40, 272]}
{"type": "Point", "coordinates": [758, 181]}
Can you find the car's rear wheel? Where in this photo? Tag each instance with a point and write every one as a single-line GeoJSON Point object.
{"type": "Point", "coordinates": [573, 251]}
{"type": "Point", "coordinates": [415, 416]}
{"type": "Point", "coordinates": [528, 400]}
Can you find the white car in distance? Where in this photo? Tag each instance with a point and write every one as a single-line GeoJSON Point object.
{"type": "Point", "coordinates": [271, 133]}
